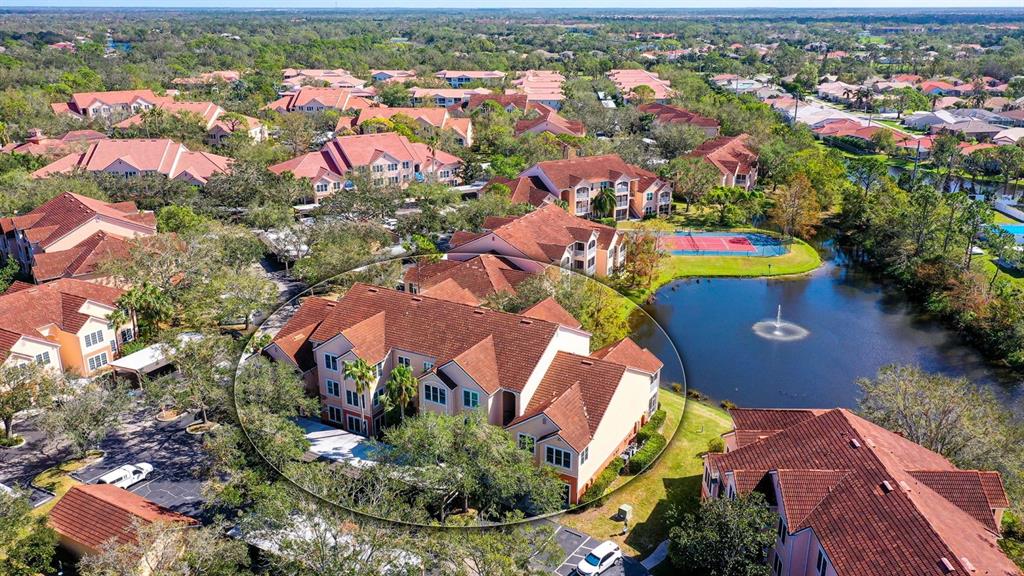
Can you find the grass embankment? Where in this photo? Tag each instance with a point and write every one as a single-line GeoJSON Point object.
{"type": "Point", "coordinates": [673, 482]}
{"type": "Point", "coordinates": [1001, 218]}
{"type": "Point", "coordinates": [58, 481]}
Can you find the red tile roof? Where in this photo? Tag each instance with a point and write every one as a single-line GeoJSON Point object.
{"type": "Point", "coordinates": [729, 154]}
{"type": "Point", "coordinates": [865, 527]}
{"type": "Point", "coordinates": [337, 98]}
{"type": "Point", "coordinates": [42, 146]}
{"type": "Point", "coordinates": [163, 156]}
{"type": "Point", "coordinates": [552, 122]}
{"type": "Point", "coordinates": [82, 100]}
{"type": "Point", "coordinates": [81, 260]}
{"type": "Point", "coordinates": [505, 100]}
{"type": "Point", "coordinates": [525, 190]}
{"type": "Point", "coordinates": [64, 213]}
{"type": "Point", "coordinates": [481, 275]}
{"type": "Point", "coordinates": [668, 114]}
{"type": "Point", "coordinates": [412, 322]}
{"type": "Point", "coordinates": [629, 353]}
{"type": "Point", "coordinates": [344, 153]}
{"type": "Point", "coordinates": [94, 514]}
{"type": "Point", "coordinates": [549, 309]}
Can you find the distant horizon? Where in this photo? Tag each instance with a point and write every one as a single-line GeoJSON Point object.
{"type": "Point", "coordinates": [674, 5]}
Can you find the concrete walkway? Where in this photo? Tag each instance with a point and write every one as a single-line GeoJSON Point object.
{"type": "Point", "coordinates": [657, 557]}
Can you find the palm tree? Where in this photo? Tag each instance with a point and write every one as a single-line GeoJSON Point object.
{"type": "Point", "coordinates": [363, 375]}
{"type": "Point", "coordinates": [402, 388]}
{"type": "Point", "coordinates": [604, 202]}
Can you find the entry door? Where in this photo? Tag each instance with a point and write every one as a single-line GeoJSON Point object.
{"type": "Point", "coordinates": [355, 424]}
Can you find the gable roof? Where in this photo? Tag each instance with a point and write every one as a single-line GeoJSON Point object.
{"type": "Point", "coordinates": [82, 100]}
{"type": "Point", "coordinates": [929, 510]}
{"type": "Point", "coordinates": [163, 156]}
{"type": "Point", "coordinates": [568, 173]}
{"type": "Point", "coordinates": [93, 514]}
{"type": "Point", "coordinates": [29, 311]}
{"type": "Point", "coordinates": [338, 98]}
{"type": "Point", "coordinates": [42, 146]}
{"type": "Point", "coordinates": [668, 114]}
{"type": "Point", "coordinates": [55, 218]}
{"type": "Point", "coordinates": [481, 275]}
{"type": "Point", "coordinates": [729, 154]}
{"type": "Point", "coordinates": [347, 152]}
{"type": "Point", "coordinates": [549, 309]}
{"type": "Point", "coordinates": [81, 260]}
{"type": "Point", "coordinates": [525, 190]}
{"type": "Point", "coordinates": [552, 121]}
{"type": "Point", "coordinates": [411, 322]}
{"type": "Point", "coordinates": [630, 354]}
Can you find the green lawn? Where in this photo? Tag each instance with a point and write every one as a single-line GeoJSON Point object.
{"type": "Point", "coordinates": [674, 481]}
{"type": "Point", "coordinates": [987, 266]}
{"type": "Point", "coordinates": [1001, 218]}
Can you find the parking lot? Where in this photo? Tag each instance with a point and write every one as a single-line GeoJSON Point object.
{"type": "Point", "coordinates": [576, 546]}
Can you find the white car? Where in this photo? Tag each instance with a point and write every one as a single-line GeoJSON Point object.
{"type": "Point", "coordinates": [600, 559]}
{"type": "Point", "coordinates": [127, 475]}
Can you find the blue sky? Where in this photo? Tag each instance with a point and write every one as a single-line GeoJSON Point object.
{"type": "Point", "coordinates": [840, 4]}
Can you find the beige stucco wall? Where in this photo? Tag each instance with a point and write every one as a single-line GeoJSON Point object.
{"type": "Point", "coordinates": [622, 418]}
{"type": "Point", "coordinates": [76, 236]}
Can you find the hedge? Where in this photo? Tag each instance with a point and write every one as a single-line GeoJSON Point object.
{"type": "Point", "coordinates": [647, 453]}
{"type": "Point", "coordinates": [651, 428]}
{"type": "Point", "coordinates": [603, 481]}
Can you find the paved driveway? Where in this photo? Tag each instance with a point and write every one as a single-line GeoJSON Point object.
{"type": "Point", "coordinates": [177, 457]}
{"type": "Point", "coordinates": [18, 466]}
{"type": "Point", "coordinates": [577, 545]}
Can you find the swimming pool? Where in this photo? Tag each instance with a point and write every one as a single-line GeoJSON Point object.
{"type": "Point", "coordinates": [1015, 229]}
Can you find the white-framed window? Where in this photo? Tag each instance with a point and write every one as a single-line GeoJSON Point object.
{"type": "Point", "coordinates": [650, 196]}
{"type": "Point", "coordinates": [336, 185]}
{"type": "Point", "coordinates": [378, 369]}
{"type": "Point", "coordinates": [392, 166]}
{"type": "Point", "coordinates": [591, 262]}
{"type": "Point", "coordinates": [43, 359]}
{"type": "Point", "coordinates": [376, 396]}
{"type": "Point", "coordinates": [526, 442]}
{"type": "Point", "coordinates": [333, 389]}
{"type": "Point", "coordinates": [403, 361]}
{"type": "Point", "coordinates": [445, 174]}
{"type": "Point", "coordinates": [378, 168]}
{"type": "Point", "coordinates": [331, 362]}
{"type": "Point", "coordinates": [351, 398]}
{"type": "Point", "coordinates": [427, 364]}
{"type": "Point", "coordinates": [93, 338]}
{"type": "Point", "coordinates": [394, 179]}
{"type": "Point", "coordinates": [593, 244]}
{"type": "Point", "coordinates": [405, 165]}
{"type": "Point", "coordinates": [584, 455]}
{"type": "Point", "coordinates": [435, 394]}
{"type": "Point", "coordinates": [822, 564]}
{"type": "Point", "coordinates": [355, 424]}
{"type": "Point", "coordinates": [334, 414]}
{"type": "Point", "coordinates": [321, 186]}
{"type": "Point", "coordinates": [579, 246]}
{"type": "Point", "coordinates": [98, 361]}
{"type": "Point", "coordinates": [127, 335]}
{"type": "Point", "coordinates": [470, 399]}
{"type": "Point", "coordinates": [558, 457]}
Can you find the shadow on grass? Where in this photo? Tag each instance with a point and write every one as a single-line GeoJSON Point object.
{"type": "Point", "coordinates": [681, 494]}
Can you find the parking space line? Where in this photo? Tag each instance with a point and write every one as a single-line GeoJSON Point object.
{"type": "Point", "coordinates": [144, 484]}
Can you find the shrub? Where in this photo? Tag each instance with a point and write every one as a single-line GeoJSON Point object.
{"type": "Point", "coordinates": [594, 494]}
{"type": "Point", "coordinates": [677, 387]}
{"type": "Point", "coordinates": [716, 446]}
{"type": "Point", "coordinates": [694, 394]}
{"type": "Point", "coordinates": [10, 441]}
{"type": "Point", "coordinates": [728, 404]}
{"type": "Point", "coordinates": [657, 419]}
{"type": "Point", "coordinates": [646, 454]}
{"type": "Point", "coordinates": [651, 428]}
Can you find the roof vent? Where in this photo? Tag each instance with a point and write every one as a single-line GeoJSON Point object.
{"type": "Point", "coordinates": [886, 486]}
{"type": "Point", "coordinates": [854, 442]}
{"type": "Point", "coordinates": [525, 321]}
{"type": "Point", "coordinates": [586, 362]}
{"type": "Point", "coordinates": [373, 290]}
{"type": "Point", "coordinates": [967, 564]}
{"type": "Point", "coordinates": [417, 299]}
{"type": "Point", "coordinates": [869, 442]}
{"type": "Point", "coordinates": [478, 312]}
{"type": "Point", "coordinates": [904, 486]}
{"type": "Point", "coordinates": [947, 566]}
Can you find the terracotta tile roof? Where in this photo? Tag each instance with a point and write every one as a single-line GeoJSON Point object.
{"type": "Point", "coordinates": [505, 100]}
{"type": "Point", "coordinates": [81, 260]}
{"type": "Point", "coordinates": [62, 214]}
{"type": "Point", "coordinates": [347, 152]}
{"type": "Point", "coordinates": [42, 146]}
{"type": "Point", "coordinates": [481, 363]}
{"type": "Point", "coordinates": [525, 190]}
{"type": "Point", "coordinates": [18, 286]}
{"type": "Point", "coordinates": [668, 114]}
{"type": "Point", "coordinates": [209, 78]}
{"type": "Point", "coordinates": [337, 98]}
{"type": "Point", "coordinates": [93, 514]}
{"type": "Point", "coordinates": [768, 418]}
{"type": "Point", "coordinates": [574, 394]}
{"type": "Point", "coordinates": [628, 80]}
{"type": "Point", "coordinates": [629, 353]}
{"type": "Point", "coordinates": [552, 122]}
{"type": "Point", "coordinates": [449, 289]}
{"type": "Point", "coordinates": [567, 174]}
{"type": "Point", "coordinates": [549, 309]}
{"type": "Point", "coordinates": [729, 154]}
{"type": "Point", "coordinates": [474, 74]}
{"type": "Point", "coordinates": [82, 100]}
{"type": "Point", "coordinates": [867, 527]}
{"type": "Point", "coordinates": [481, 275]}
{"type": "Point", "coordinates": [411, 322]}
{"type": "Point", "coordinates": [163, 156]}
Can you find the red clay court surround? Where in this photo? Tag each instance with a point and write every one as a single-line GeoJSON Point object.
{"type": "Point", "coordinates": [706, 243]}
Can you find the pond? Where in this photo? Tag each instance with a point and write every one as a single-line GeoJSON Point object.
{"type": "Point", "coordinates": [855, 325]}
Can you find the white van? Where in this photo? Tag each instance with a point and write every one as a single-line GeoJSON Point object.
{"type": "Point", "coordinates": [127, 475]}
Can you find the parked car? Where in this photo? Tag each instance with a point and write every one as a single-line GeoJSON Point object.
{"type": "Point", "coordinates": [600, 559]}
{"type": "Point", "coordinates": [127, 475]}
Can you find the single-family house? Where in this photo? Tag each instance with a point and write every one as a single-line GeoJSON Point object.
{"type": "Point", "coordinates": [63, 325]}
{"type": "Point", "coordinates": [981, 114]}
{"type": "Point", "coordinates": [116, 103]}
{"type": "Point", "coordinates": [733, 158]}
{"type": "Point", "coordinates": [971, 129]}
{"type": "Point", "coordinates": [389, 157]}
{"type": "Point", "coordinates": [548, 235]}
{"type": "Point", "coordinates": [438, 118]}
{"type": "Point", "coordinates": [1008, 137]}
{"type": "Point", "coordinates": [939, 87]}
{"type": "Point", "coordinates": [666, 114]}
{"type": "Point", "coordinates": [854, 498]}
{"type": "Point", "coordinates": [925, 120]}
{"type": "Point", "coordinates": [532, 373]}
{"type": "Point", "coordinates": [311, 100]}
{"type": "Point", "coordinates": [459, 78]}
{"type": "Point", "coordinates": [91, 516]}
{"type": "Point", "coordinates": [130, 158]}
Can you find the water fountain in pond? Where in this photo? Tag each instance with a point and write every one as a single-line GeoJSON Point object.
{"type": "Point", "coordinates": [780, 330]}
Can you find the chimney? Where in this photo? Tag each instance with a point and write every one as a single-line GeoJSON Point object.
{"type": "Point", "coordinates": [568, 152]}
{"type": "Point", "coordinates": [35, 135]}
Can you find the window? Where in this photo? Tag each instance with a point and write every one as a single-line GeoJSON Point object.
{"type": "Point", "coordinates": [445, 174]}
{"type": "Point", "coordinates": [378, 370]}
{"type": "Point", "coordinates": [427, 365]}
{"type": "Point", "coordinates": [355, 424]}
{"type": "Point", "coordinates": [376, 396]}
{"type": "Point", "coordinates": [403, 361]}
{"type": "Point", "coordinates": [592, 245]}
{"type": "Point", "coordinates": [650, 196]}
{"type": "Point", "coordinates": [526, 442]}
{"type": "Point", "coordinates": [591, 262]}
{"type": "Point", "coordinates": [392, 167]}
{"type": "Point", "coordinates": [405, 165]}
{"type": "Point", "coordinates": [332, 388]}
{"type": "Point", "coordinates": [470, 399]}
{"type": "Point", "coordinates": [578, 247]}
{"type": "Point", "coordinates": [606, 185]}
{"type": "Point", "coordinates": [334, 414]}
{"type": "Point", "coordinates": [321, 187]}
{"type": "Point", "coordinates": [822, 565]}
{"type": "Point", "coordinates": [98, 361]}
{"type": "Point", "coordinates": [336, 185]}
{"type": "Point", "coordinates": [777, 565]}
{"type": "Point", "coordinates": [782, 531]}
{"type": "Point", "coordinates": [558, 457]}
{"type": "Point", "coordinates": [351, 398]}
{"type": "Point", "coordinates": [378, 168]}
{"type": "Point", "coordinates": [585, 454]}
{"type": "Point", "coordinates": [435, 394]}
{"type": "Point", "coordinates": [93, 338]}
{"type": "Point", "coordinates": [331, 362]}
{"type": "Point", "coordinates": [127, 335]}
{"type": "Point", "coordinates": [43, 359]}
{"type": "Point", "coordinates": [393, 179]}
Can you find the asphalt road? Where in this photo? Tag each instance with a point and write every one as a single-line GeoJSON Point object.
{"type": "Point", "coordinates": [577, 545]}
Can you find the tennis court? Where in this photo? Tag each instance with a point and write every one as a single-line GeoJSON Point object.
{"type": "Point", "coordinates": [721, 244]}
